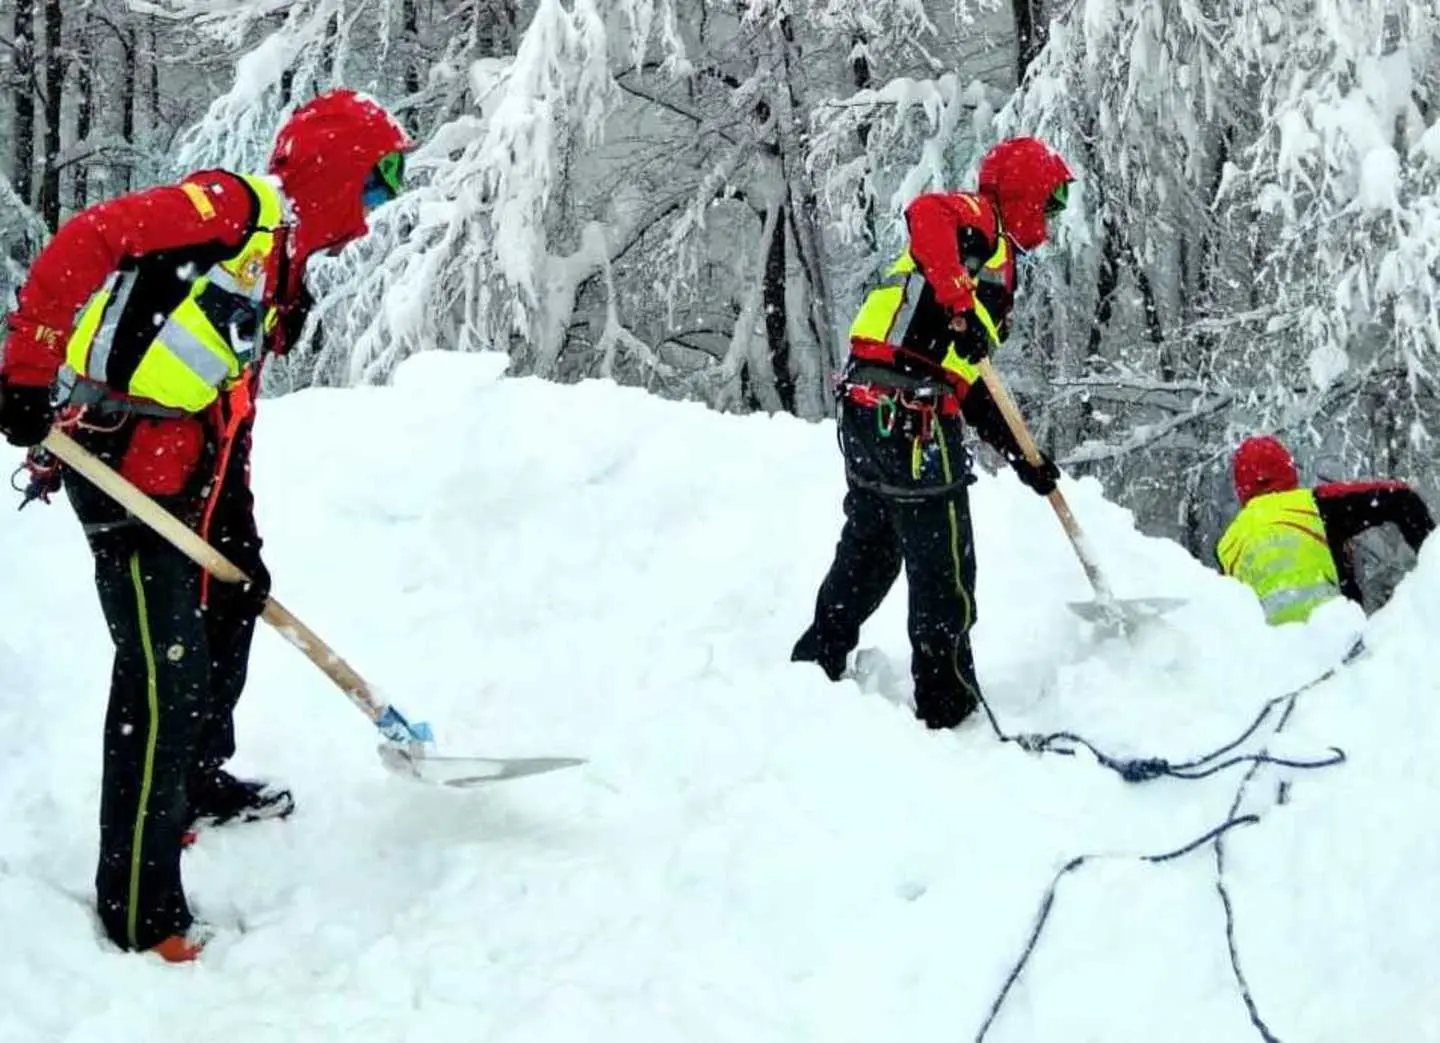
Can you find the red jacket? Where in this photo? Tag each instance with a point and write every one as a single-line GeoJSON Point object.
{"type": "Point", "coordinates": [1349, 508]}
{"type": "Point", "coordinates": [209, 213]}
{"type": "Point", "coordinates": [952, 237]}
{"type": "Point", "coordinates": [94, 243]}
{"type": "Point", "coordinates": [323, 157]}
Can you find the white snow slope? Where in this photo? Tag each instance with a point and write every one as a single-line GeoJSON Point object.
{"type": "Point", "coordinates": [751, 853]}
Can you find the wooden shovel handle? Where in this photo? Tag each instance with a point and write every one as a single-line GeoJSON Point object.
{"type": "Point", "coordinates": [212, 561]}
{"type": "Point", "coordinates": [1001, 394]}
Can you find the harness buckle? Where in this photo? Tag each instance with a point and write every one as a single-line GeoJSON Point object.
{"type": "Point", "coordinates": [44, 480]}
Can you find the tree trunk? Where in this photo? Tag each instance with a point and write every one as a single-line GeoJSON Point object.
{"type": "Point", "coordinates": [327, 54]}
{"type": "Point", "coordinates": [1191, 536]}
{"type": "Point", "coordinates": [84, 114]}
{"type": "Point", "coordinates": [1205, 277]}
{"type": "Point", "coordinates": [777, 325]}
{"type": "Point", "coordinates": [410, 33]}
{"type": "Point", "coordinates": [1032, 30]}
{"type": "Point", "coordinates": [128, 95]}
{"type": "Point", "coordinates": [1149, 302]}
{"type": "Point", "coordinates": [860, 72]}
{"type": "Point", "coordinates": [22, 162]}
{"type": "Point", "coordinates": [152, 86]}
{"type": "Point", "coordinates": [501, 19]}
{"type": "Point", "coordinates": [54, 93]}
{"type": "Point", "coordinates": [805, 222]}
{"type": "Point", "coordinates": [1107, 281]}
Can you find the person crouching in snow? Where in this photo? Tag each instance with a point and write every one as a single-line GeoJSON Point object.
{"type": "Point", "coordinates": [912, 377]}
{"type": "Point", "coordinates": [151, 315]}
{"type": "Point", "coordinates": [1289, 544]}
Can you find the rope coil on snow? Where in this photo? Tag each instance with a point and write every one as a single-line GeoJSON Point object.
{"type": "Point", "coordinates": [1201, 767]}
{"type": "Point", "coordinates": [1143, 769]}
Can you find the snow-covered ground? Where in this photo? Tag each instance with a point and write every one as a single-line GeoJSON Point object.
{"type": "Point", "coordinates": [750, 853]}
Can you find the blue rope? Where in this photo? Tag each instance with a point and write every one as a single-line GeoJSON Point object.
{"type": "Point", "coordinates": [1251, 1007]}
{"type": "Point", "coordinates": [1200, 767]}
{"type": "Point", "coordinates": [1143, 769]}
{"type": "Point", "coordinates": [1049, 901]}
{"type": "Point", "coordinates": [1232, 946]}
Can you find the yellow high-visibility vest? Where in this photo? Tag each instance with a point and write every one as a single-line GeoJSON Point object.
{"type": "Point", "coordinates": [200, 348]}
{"type": "Point", "coordinates": [888, 310]}
{"type": "Point", "coordinates": [1277, 546]}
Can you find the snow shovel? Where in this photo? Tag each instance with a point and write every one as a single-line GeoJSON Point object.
{"type": "Point", "coordinates": [406, 750]}
{"type": "Point", "coordinates": [1111, 614]}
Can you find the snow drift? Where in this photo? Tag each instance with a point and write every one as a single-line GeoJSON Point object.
{"type": "Point", "coordinates": [751, 852]}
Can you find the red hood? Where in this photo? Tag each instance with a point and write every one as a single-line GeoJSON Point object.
{"type": "Point", "coordinates": [1263, 465]}
{"type": "Point", "coordinates": [322, 157]}
{"type": "Point", "coordinates": [1020, 174]}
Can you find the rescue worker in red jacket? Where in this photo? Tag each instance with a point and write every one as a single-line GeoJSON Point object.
{"type": "Point", "coordinates": [908, 387]}
{"type": "Point", "coordinates": [141, 330]}
{"type": "Point", "coordinates": [1291, 545]}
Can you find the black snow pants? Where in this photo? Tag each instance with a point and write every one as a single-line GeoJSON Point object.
{"type": "Point", "coordinates": [907, 503]}
{"type": "Point", "coordinates": [179, 667]}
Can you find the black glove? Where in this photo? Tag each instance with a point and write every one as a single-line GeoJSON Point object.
{"type": "Point", "coordinates": [25, 414]}
{"type": "Point", "coordinates": [254, 594]}
{"type": "Point", "coordinates": [972, 342]}
{"type": "Point", "coordinates": [1040, 477]}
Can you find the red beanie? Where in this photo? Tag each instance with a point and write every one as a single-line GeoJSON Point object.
{"type": "Point", "coordinates": [1263, 465]}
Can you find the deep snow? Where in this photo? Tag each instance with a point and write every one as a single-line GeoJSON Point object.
{"type": "Point", "coordinates": [751, 852]}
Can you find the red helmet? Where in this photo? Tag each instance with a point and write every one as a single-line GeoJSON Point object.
{"type": "Point", "coordinates": [323, 156]}
{"type": "Point", "coordinates": [1027, 179]}
{"type": "Point", "coordinates": [1263, 465]}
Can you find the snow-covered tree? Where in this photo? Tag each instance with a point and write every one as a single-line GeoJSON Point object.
{"type": "Point", "coordinates": [1248, 245]}
{"type": "Point", "coordinates": [695, 197]}
{"type": "Point", "coordinates": [636, 192]}
{"type": "Point", "coordinates": [1341, 189]}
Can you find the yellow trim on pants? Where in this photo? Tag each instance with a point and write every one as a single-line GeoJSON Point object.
{"type": "Point", "coordinates": [955, 551]}
{"type": "Point", "coordinates": [132, 910]}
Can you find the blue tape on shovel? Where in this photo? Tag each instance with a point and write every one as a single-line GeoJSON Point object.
{"type": "Point", "coordinates": [396, 728]}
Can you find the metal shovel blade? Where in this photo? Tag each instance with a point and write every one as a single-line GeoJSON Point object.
{"type": "Point", "coordinates": [1123, 613]}
{"type": "Point", "coordinates": [466, 772]}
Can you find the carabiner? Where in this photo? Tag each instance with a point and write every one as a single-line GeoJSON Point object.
{"type": "Point", "coordinates": [885, 416]}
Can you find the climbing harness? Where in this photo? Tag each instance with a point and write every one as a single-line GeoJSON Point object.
{"type": "Point", "coordinates": [42, 466]}
{"type": "Point", "coordinates": [909, 411]}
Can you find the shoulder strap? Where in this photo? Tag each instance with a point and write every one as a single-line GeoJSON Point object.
{"type": "Point", "coordinates": [269, 204]}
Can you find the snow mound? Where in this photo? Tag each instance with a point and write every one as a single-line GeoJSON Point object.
{"type": "Point", "coordinates": [751, 852]}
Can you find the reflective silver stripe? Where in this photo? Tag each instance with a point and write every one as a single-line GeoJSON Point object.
{"type": "Point", "coordinates": [65, 382]}
{"type": "Point", "coordinates": [98, 527]}
{"type": "Point", "coordinates": [190, 350]}
{"type": "Point", "coordinates": [1283, 599]}
{"type": "Point", "coordinates": [119, 285]}
{"type": "Point", "coordinates": [219, 277]}
{"type": "Point", "coordinates": [914, 287]}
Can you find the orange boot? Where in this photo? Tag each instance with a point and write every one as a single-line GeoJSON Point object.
{"type": "Point", "coordinates": [184, 948]}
